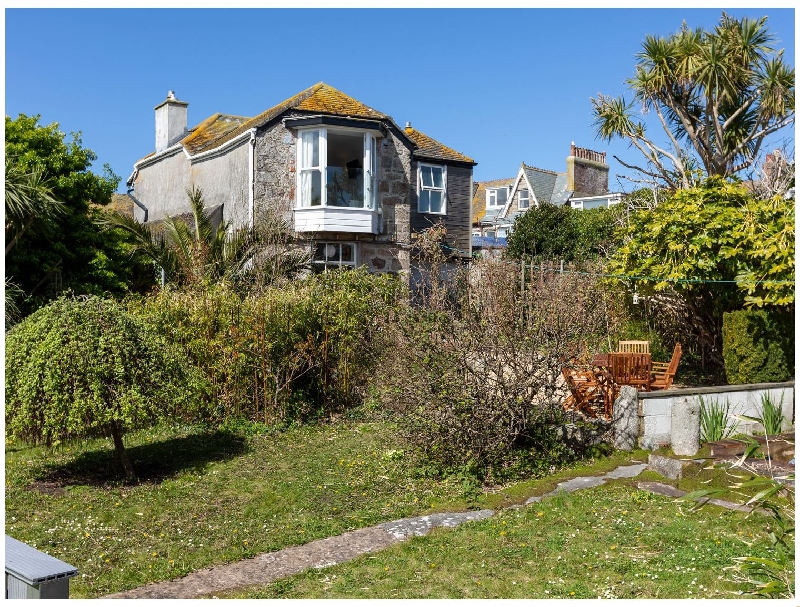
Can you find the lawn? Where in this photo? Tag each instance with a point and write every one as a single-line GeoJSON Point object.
{"type": "Point", "coordinates": [211, 498]}
{"type": "Point", "coordinates": [609, 542]}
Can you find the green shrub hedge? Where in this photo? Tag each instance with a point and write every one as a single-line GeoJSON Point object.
{"type": "Point", "coordinates": [758, 346]}
{"type": "Point", "coordinates": [282, 355]}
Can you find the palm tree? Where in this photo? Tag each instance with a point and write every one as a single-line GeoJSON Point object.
{"type": "Point", "coordinates": [28, 197]}
{"type": "Point", "coordinates": [195, 252]}
{"type": "Point", "coordinates": [717, 95]}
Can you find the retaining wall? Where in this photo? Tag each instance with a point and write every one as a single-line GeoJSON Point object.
{"type": "Point", "coordinates": [655, 408]}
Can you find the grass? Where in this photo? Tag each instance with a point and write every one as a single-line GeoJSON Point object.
{"type": "Point", "coordinates": [613, 541]}
{"type": "Point", "coordinates": [210, 498]}
{"type": "Point", "coordinates": [206, 499]}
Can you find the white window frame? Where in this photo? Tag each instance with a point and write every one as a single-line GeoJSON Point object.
{"type": "Point", "coordinates": [491, 197]}
{"type": "Point", "coordinates": [325, 264]}
{"type": "Point", "coordinates": [527, 199]}
{"type": "Point", "coordinates": [421, 187]}
{"type": "Point", "coordinates": [370, 163]}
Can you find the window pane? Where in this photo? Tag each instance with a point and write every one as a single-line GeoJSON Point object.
{"type": "Point", "coordinates": [437, 177]}
{"type": "Point", "coordinates": [345, 169]}
{"type": "Point", "coordinates": [319, 251]}
{"type": "Point", "coordinates": [310, 188]}
{"type": "Point", "coordinates": [436, 202]}
{"type": "Point", "coordinates": [427, 177]}
{"type": "Point", "coordinates": [502, 196]}
{"type": "Point", "coordinates": [347, 252]}
{"type": "Point", "coordinates": [331, 252]}
{"type": "Point", "coordinates": [310, 149]}
{"type": "Point", "coordinates": [424, 201]}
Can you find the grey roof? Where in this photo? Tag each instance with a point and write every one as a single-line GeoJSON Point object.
{"type": "Point", "coordinates": [541, 181]}
{"type": "Point", "coordinates": [561, 195]}
{"type": "Point", "coordinates": [32, 566]}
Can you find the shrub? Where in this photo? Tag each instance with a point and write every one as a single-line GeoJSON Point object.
{"type": "Point", "coordinates": [84, 367]}
{"type": "Point", "coordinates": [475, 376]}
{"type": "Point", "coordinates": [284, 354]}
{"type": "Point", "coordinates": [758, 346]}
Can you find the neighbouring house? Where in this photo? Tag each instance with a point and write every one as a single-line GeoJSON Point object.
{"type": "Point", "coordinates": [355, 187]}
{"type": "Point", "coordinates": [584, 185]}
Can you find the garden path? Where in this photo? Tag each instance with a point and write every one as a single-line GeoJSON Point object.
{"type": "Point", "coordinates": [266, 568]}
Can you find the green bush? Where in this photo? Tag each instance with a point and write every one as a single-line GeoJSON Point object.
{"type": "Point", "coordinates": [284, 354]}
{"type": "Point", "coordinates": [758, 346]}
{"type": "Point", "coordinates": [85, 368]}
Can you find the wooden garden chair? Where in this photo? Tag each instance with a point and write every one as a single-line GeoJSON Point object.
{"type": "Point", "coordinates": [631, 369]}
{"type": "Point", "coordinates": [664, 373]}
{"type": "Point", "coordinates": [589, 392]}
{"type": "Point", "coordinates": [638, 346]}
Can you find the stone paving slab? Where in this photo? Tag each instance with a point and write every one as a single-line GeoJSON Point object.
{"type": "Point", "coordinates": [266, 568]}
{"type": "Point", "coordinates": [671, 491]}
{"type": "Point", "coordinates": [587, 482]}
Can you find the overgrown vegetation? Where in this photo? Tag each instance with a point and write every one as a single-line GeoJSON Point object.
{"type": "Point", "coordinates": [286, 354]}
{"type": "Point", "coordinates": [474, 369]}
{"type": "Point", "coordinates": [83, 367]}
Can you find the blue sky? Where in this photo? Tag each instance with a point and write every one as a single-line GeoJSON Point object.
{"type": "Point", "coordinates": [500, 85]}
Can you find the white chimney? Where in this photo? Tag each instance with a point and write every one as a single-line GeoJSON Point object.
{"type": "Point", "coordinates": [171, 121]}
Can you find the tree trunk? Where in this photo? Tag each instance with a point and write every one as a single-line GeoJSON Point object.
{"type": "Point", "coordinates": [127, 466]}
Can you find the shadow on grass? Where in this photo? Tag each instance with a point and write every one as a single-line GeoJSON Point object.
{"type": "Point", "coordinates": [153, 462]}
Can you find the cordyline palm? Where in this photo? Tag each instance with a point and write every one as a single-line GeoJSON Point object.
{"type": "Point", "coordinates": [192, 253]}
{"type": "Point", "coordinates": [717, 94]}
{"type": "Point", "coordinates": [28, 197]}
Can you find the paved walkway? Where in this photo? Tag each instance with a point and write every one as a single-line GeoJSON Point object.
{"type": "Point", "coordinates": [266, 568]}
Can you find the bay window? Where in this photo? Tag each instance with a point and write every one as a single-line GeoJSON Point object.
{"type": "Point", "coordinates": [336, 168]}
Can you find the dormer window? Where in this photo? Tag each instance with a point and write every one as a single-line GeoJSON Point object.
{"type": "Point", "coordinates": [496, 197]}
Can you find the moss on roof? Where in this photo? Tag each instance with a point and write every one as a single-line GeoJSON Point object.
{"type": "Point", "coordinates": [208, 133]}
{"type": "Point", "coordinates": [479, 195]}
{"type": "Point", "coordinates": [428, 147]}
{"type": "Point", "coordinates": [318, 99]}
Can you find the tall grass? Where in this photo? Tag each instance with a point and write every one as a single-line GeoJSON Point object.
{"type": "Point", "coordinates": [771, 414]}
{"type": "Point", "coordinates": [714, 420]}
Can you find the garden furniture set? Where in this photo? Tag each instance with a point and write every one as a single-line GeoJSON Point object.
{"type": "Point", "coordinates": [594, 387]}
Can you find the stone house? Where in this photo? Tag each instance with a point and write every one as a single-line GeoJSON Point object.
{"type": "Point", "coordinates": [583, 185]}
{"type": "Point", "coordinates": [355, 187]}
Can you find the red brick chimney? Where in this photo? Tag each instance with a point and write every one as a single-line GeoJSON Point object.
{"type": "Point", "coordinates": [587, 172]}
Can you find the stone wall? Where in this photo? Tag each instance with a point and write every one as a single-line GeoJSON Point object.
{"type": "Point", "coordinates": [275, 182]}
{"type": "Point", "coordinates": [656, 408]}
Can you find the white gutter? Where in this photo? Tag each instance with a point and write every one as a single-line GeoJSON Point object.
{"type": "Point", "coordinates": [250, 133]}
{"type": "Point", "coordinates": [251, 175]}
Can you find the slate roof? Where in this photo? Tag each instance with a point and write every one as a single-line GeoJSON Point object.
{"type": "Point", "coordinates": [543, 182]}
{"type": "Point", "coordinates": [318, 99]}
{"type": "Point", "coordinates": [432, 149]}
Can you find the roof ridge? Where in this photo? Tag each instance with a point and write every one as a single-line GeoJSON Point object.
{"type": "Point", "coordinates": [529, 166]}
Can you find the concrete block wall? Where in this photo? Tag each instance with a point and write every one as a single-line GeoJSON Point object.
{"type": "Point", "coordinates": [655, 408]}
